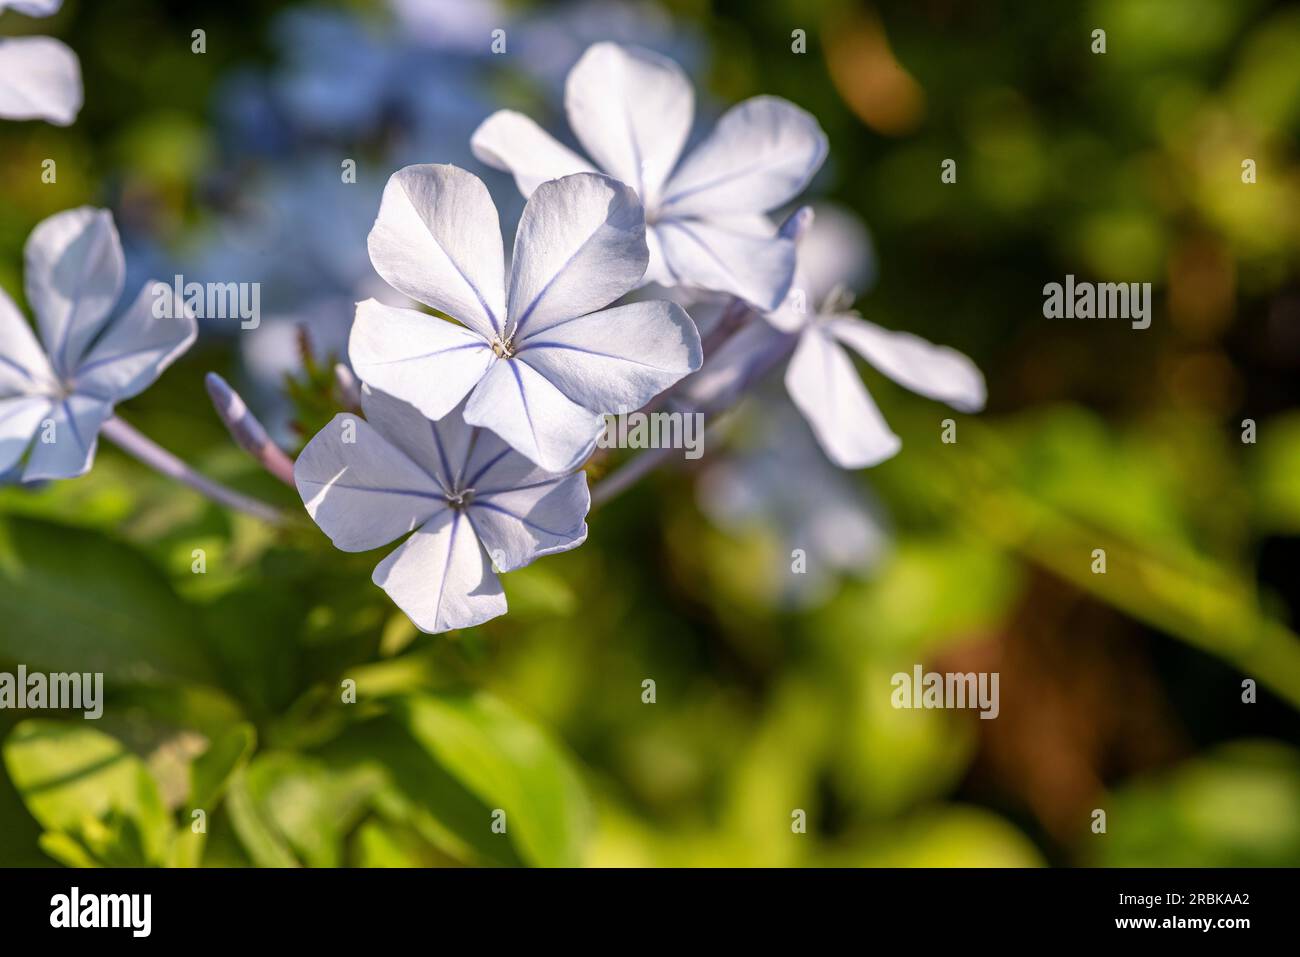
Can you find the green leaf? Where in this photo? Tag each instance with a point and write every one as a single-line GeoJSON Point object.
{"type": "Point", "coordinates": [83, 783]}
{"type": "Point", "coordinates": [419, 792]}
{"type": "Point", "coordinates": [310, 805]}
{"type": "Point", "coordinates": [509, 764]}
{"type": "Point", "coordinates": [1235, 806]}
{"type": "Point", "coordinates": [75, 600]}
{"type": "Point", "coordinates": [265, 846]}
{"type": "Point", "coordinates": [212, 770]}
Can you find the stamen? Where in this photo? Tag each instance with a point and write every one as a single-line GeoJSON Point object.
{"type": "Point", "coordinates": [460, 499]}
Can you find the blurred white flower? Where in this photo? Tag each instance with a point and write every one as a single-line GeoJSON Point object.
{"type": "Point", "coordinates": [65, 392]}
{"type": "Point", "coordinates": [816, 323]}
{"type": "Point", "coordinates": [821, 378]}
{"type": "Point", "coordinates": [40, 77]}
{"type": "Point", "coordinates": [540, 364]}
{"type": "Point", "coordinates": [632, 110]}
{"type": "Point", "coordinates": [457, 488]}
{"type": "Point", "coordinates": [836, 524]}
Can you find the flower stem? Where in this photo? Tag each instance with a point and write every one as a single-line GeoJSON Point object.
{"type": "Point", "coordinates": [143, 448]}
{"type": "Point", "coordinates": [628, 474]}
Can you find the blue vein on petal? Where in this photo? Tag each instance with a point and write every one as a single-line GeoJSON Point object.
{"type": "Point", "coordinates": [712, 183]}
{"type": "Point", "coordinates": [332, 484]}
{"type": "Point", "coordinates": [442, 456]}
{"type": "Point", "coordinates": [592, 352]}
{"type": "Point", "coordinates": [130, 354]}
{"type": "Point", "coordinates": [446, 567]}
{"type": "Point", "coordinates": [428, 355]}
{"type": "Point", "coordinates": [519, 325]}
{"type": "Point", "coordinates": [487, 467]}
{"type": "Point", "coordinates": [523, 400]}
{"type": "Point", "coordinates": [72, 423]}
{"type": "Point", "coordinates": [497, 508]}
{"type": "Point", "coordinates": [690, 233]}
{"type": "Point", "coordinates": [492, 316]}
{"type": "Point", "coordinates": [66, 336]}
{"type": "Point", "coordinates": [5, 360]}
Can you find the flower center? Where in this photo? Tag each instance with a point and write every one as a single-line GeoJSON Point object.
{"type": "Point", "coordinates": [503, 349]}
{"type": "Point", "coordinates": [461, 499]}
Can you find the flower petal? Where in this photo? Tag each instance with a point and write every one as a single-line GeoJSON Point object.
{"type": "Point", "coordinates": [360, 489]}
{"type": "Point", "coordinates": [23, 366]}
{"type": "Point", "coordinates": [936, 372]}
{"type": "Point", "coordinates": [446, 449]}
{"type": "Point", "coordinates": [824, 385]}
{"type": "Point", "coordinates": [493, 466]}
{"type": "Point", "coordinates": [19, 419]}
{"type": "Point", "coordinates": [40, 79]}
{"type": "Point", "coordinates": [521, 524]}
{"type": "Point", "coordinates": [534, 417]}
{"type": "Point", "coordinates": [511, 141]}
{"type": "Point", "coordinates": [437, 239]}
{"type": "Point", "coordinates": [741, 360]}
{"type": "Point", "coordinates": [631, 109]}
{"type": "Point", "coordinates": [138, 345]}
{"type": "Point", "coordinates": [31, 8]}
{"type": "Point", "coordinates": [441, 578]}
{"type": "Point", "coordinates": [740, 255]}
{"type": "Point", "coordinates": [66, 438]}
{"type": "Point", "coordinates": [619, 359]}
{"type": "Point", "coordinates": [580, 245]}
{"type": "Point", "coordinates": [418, 358]}
{"type": "Point", "coordinates": [761, 154]}
{"type": "Point", "coordinates": [74, 270]}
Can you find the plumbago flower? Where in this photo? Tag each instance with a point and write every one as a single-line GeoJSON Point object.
{"type": "Point", "coordinates": [837, 524]}
{"type": "Point", "coordinates": [457, 488]}
{"type": "Point", "coordinates": [631, 110]}
{"type": "Point", "coordinates": [816, 321]}
{"type": "Point", "coordinates": [40, 78]}
{"type": "Point", "coordinates": [542, 362]}
{"type": "Point", "coordinates": [66, 391]}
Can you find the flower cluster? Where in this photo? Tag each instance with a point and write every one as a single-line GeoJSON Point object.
{"type": "Point", "coordinates": [487, 379]}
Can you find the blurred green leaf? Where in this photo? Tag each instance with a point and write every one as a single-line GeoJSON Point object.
{"type": "Point", "coordinates": [511, 765]}
{"type": "Point", "coordinates": [304, 805]}
{"type": "Point", "coordinates": [82, 783]}
{"type": "Point", "coordinates": [944, 837]}
{"type": "Point", "coordinates": [212, 770]}
{"type": "Point", "coordinates": [75, 600]}
{"type": "Point", "coordinates": [1237, 806]}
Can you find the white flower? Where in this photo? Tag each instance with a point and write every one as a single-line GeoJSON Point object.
{"type": "Point", "coordinates": [40, 78]}
{"type": "Point", "coordinates": [832, 518]}
{"type": "Point", "coordinates": [459, 489]}
{"type": "Point", "coordinates": [539, 364]}
{"type": "Point", "coordinates": [65, 392]}
{"type": "Point", "coordinates": [820, 377]}
{"type": "Point", "coordinates": [632, 109]}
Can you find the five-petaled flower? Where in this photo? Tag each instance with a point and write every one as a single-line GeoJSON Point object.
{"type": "Point", "coordinates": [40, 78]}
{"type": "Point", "coordinates": [632, 110]}
{"type": "Point", "coordinates": [816, 320]}
{"type": "Point", "coordinates": [539, 363]}
{"type": "Point", "coordinates": [65, 392]}
{"type": "Point", "coordinates": [459, 489]}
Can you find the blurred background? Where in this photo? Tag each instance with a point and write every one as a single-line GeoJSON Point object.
{"type": "Point", "coordinates": [1121, 692]}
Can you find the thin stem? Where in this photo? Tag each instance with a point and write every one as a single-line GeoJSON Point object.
{"type": "Point", "coordinates": [734, 316]}
{"type": "Point", "coordinates": [635, 469]}
{"type": "Point", "coordinates": [628, 474]}
{"type": "Point", "coordinates": [143, 448]}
